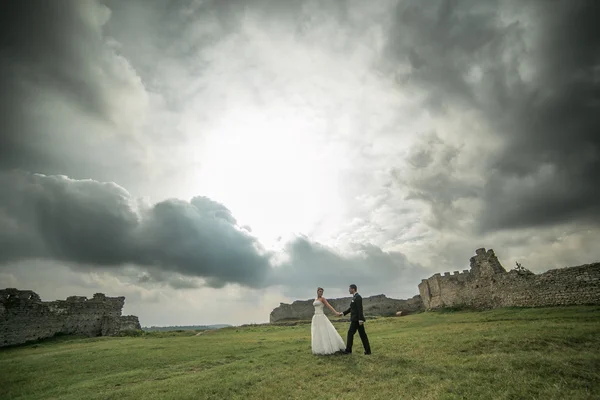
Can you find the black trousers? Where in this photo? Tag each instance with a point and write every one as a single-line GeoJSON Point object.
{"type": "Point", "coordinates": [355, 326]}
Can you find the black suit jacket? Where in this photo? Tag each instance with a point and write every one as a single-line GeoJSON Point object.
{"type": "Point", "coordinates": [356, 309]}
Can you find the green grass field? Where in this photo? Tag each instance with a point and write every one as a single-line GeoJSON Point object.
{"type": "Point", "coordinates": [544, 353]}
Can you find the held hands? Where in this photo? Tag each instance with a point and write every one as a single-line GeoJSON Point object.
{"type": "Point", "coordinates": [361, 322]}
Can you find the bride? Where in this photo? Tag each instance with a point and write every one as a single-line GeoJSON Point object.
{"type": "Point", "coordinates": [325, 339]}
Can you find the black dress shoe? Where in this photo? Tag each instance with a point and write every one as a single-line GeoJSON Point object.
{"type": "Point", "coordinates": [367, 353]}
{"type": "Point", "coordinates": [346, 352]}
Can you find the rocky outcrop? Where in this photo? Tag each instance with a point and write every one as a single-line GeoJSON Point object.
{"type": "Point", "coordinates": [25, 317]}
{"type": "Point", "coordinates": [488, 285]}
{"type": "Point", "coordinates": [378, 305]}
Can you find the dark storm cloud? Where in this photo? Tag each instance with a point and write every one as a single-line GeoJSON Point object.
{"type": "Point", "coordinates": [535, 81]}
{"type": "Point", "coordinates": [53, 216]}
{"type": "Point", "coordinates": [89, 224]}
{"type": "Point", "coordinates": [201, 236]}
{"type": "Point", "coordinates": [311, 264]}
{"type": "Point", "coordinates": [438, 39]}
{"type": "Point", "coordinates": [553, 127]}
{"type": "Point", "coordinates": [55, 44]}
{"type": "Point", "coordinates": [95, 223]}
{"type": "Point", "coordinates": [57, 70]}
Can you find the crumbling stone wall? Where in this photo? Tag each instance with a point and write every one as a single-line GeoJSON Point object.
{"type": "Point", "coordinates": [378, 305]}
{"type": "Point", "coordinates": [128, 323]}
{"type": "Point", "coordinates": [488, 285]}
{"type": "Point", "coordinates": [25, 317]}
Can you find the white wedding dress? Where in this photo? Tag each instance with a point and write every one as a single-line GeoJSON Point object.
{"type": "Point", "coordinates": [325, 339]}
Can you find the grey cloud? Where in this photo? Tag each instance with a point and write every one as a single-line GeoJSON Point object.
{"type": "Point", "coordinates": [182, 30]}
{"type": "Point", "coordinates": [311, 264]}
{"type": "Point", "coordinates": [90, 225]}
{"type": "Point", "coordinates": [553, 127]}
{"type": "Point", "coordinates": [202, 236]}
{"type": "Point", "coordinates": [94, 223]}
{"type": "Point", "coordinates": [437, 41]}
{"type": "Point", "coordinates": [182, 283]}
{"type": "Point", "coordinates": [81, 221]}
{"type": "Point", "coordinates": [531, 72]}
{"type": "Point", "coordinates": [154, 277]}
{"type": "Point", "coordinates": [433, 175]}
{"type": "Point", "coordinates": [63, 86]}
{"type": "Point", "coordinates": [61, 51]}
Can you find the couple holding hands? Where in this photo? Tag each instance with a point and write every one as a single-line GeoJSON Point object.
{"type": "Point", "coordinates": [325, 339]}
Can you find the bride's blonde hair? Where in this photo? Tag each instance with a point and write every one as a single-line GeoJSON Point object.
{"type": "Point", "coordinates": [319, 288]}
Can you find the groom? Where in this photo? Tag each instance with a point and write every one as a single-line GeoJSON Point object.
{"type": "Point", "coordinates": [357, 320]}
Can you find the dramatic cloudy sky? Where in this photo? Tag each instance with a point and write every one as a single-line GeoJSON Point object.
{"type": "Point", "coordinates": [210, 159]}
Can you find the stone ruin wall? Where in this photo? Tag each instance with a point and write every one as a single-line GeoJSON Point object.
{"type": "Point", "coordinates": [378, 305]}
{"type": "Point", "coordinates": [25, 317]}
{"type": "Point", "coordinates": [488, 285]}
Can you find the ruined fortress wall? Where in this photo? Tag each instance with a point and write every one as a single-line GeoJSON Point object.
{"type": "Point", "coordinates": [24, 317]}
{"type": "Point", "coordinates": [374, 305]}
{"type": "Point", "coordinates": [565, 286]}
{"type": "Point", "coordinates": [488, 285]}
{"type": "Point", "coordinates": [440, 290]}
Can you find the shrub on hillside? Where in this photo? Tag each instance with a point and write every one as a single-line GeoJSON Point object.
{"type": "Point", "coordinates": [131, 332]}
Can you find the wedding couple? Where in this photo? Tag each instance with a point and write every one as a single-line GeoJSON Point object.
{"type": "Point", "coordinates": [325, 339]}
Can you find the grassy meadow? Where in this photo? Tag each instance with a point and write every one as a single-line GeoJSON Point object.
{"type": "Point", "coordinates": [543, 353]}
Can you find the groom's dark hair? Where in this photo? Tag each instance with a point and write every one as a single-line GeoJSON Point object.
{"type": "Point", "coordinates": [353, 286]}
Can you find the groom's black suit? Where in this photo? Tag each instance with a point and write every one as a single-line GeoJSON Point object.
{"type": "Point", "coordinates": [356, 314]}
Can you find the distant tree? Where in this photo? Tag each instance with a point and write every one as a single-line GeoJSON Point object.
{"type": "Point", "coordinates": [521, 270]}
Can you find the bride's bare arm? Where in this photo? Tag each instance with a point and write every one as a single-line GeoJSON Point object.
{"type": "Point", "coordinates": [329, 305]}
